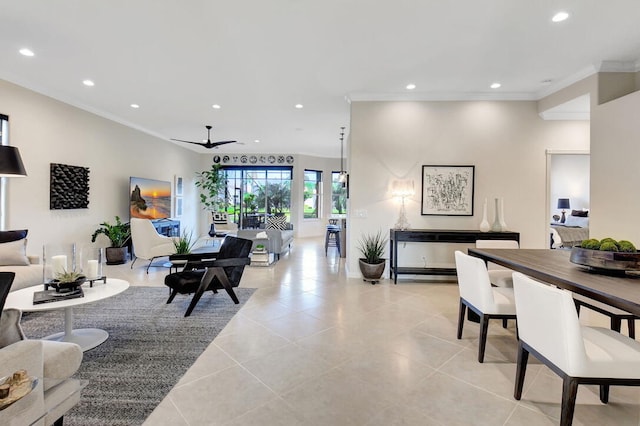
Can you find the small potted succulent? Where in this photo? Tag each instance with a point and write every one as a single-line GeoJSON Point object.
{"type": "Point", "coordinates": [371, 263]}
{"type": "Point", "coordinates": [67, 281]}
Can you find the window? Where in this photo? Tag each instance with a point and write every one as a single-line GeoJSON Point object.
{"type": "Point", "coordinates": [312, 193]}
{"type": "Point", "coordinates": [338, 194]}
{"type": "Point", "coordinates": [256, 193]}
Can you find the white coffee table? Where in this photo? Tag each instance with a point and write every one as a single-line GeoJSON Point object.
{"type": "Point", "coordinates": [87, 338]}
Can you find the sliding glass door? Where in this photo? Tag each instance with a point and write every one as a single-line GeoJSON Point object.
{"type": "Point", "coordinates": [257, 193]}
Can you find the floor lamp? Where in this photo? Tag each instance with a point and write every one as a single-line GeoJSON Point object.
{"type": "Point", "coordinates": [10, 166]}
{"type": "Point", "coordinates": [402, 189]}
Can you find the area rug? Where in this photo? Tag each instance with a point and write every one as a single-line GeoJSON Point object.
{"type": "Point", "coordinates": [150, 346]}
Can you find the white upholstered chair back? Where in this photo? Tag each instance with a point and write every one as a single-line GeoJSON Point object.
{"type": "Point", "coordinates": [473, 282]}
{"type": "Point", "coordinates": [548, 322]}
{"type": "Point", "coordinates": [147, 243]}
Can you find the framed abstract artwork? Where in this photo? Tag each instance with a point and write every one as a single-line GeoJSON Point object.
{"type": "Point", "coordinates": [447, 190]}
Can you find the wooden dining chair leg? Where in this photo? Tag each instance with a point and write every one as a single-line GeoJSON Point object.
{"type": "Point", "coordinates": [504, 323]}
{"type": "Point", "coordinates": [521, 369]}
{"type": "Point", "coordinates": [482, 344]}
{"type": "Point", "coordinates": [604, 394]}
{"type": "Point", "coordinates": [463, 309]}
{"type": "Point", "coordinates": [632, 327]}
{"type": "Point", "coordinates": [616, 324]}
{"type": "Point", "coordinates": [569, 392]}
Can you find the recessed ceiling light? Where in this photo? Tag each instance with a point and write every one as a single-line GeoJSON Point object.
{"type": "Point", "coordinates": [215, 106]}
{"type": "Point", "coordinates": [411, 86]}
{"type": "Point", "coordinates": [495, 85]}
{"type": "Point", "coordinates": [560, 16]}
{"type": "Point", "coordinates": [299, 106]}
{"type": "Point", "coordinates": [88, 83]}
{"type": "Point", "coordinates": [135, 106]}
{"type": "Point", "coordinates": [257, 141]}
{"type": "Point", "coordinates": [26, 52]}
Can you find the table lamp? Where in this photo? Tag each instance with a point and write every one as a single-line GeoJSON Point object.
{"type": "Point", "coordinates": [563, 203]}
{"type": "Point", "coordinates": [402, 189]}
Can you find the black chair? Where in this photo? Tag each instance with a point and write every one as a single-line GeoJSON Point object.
{"type": "Point", "coordinates": [224, 272]}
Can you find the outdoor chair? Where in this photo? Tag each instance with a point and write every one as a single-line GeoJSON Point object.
{"type": "Point", "coordinates": [224, 272]}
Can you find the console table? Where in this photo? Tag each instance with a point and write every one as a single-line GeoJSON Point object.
{"type": "Point", "coordinates": [435, 236]}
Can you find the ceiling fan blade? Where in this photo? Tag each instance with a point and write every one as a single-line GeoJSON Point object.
{"type": "Point", "coordinates": [195, 143]}
{"type": "Point", "coordinates": [221, 143]}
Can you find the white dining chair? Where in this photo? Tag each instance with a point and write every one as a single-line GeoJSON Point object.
{"type": "Point", "coordinates": [477, 294]}
{"type": "Point", "coordinates": [549, 329]}
{"type": "Point", "coordinates": [499, 275]}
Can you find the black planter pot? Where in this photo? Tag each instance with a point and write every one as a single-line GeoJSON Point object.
{"type": "Point", "coordinates": [117, 255]}
{"type": "Point", "coordinates": [372, 271]}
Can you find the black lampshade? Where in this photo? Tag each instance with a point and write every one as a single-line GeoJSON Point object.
{"type": "Point", "coordinates": [11, 162]}
{"type": "Point", "coordinates": [563, 203]}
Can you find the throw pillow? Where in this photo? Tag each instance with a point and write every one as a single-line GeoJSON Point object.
{"type": "Point", "coordinates": [14, 253]}
{"type": "Point", "coordinates": [8, 236]}
{"type": "Point", "coordinates": [580, 213]}
{"type": "Point", "coordinates": [277, 222]}
{"type": "Point", "coordinates": [220, 218]}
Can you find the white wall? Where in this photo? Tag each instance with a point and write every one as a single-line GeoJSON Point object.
{"type": "Point", "coordinates": [569, 178]}
{"type": "Point", "coordinates": [47, 131]}
{"type": "Point", "coordinates": [506, 141]}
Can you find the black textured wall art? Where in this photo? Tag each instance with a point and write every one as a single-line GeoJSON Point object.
{"type": "Point", "coordinates": [69, 188]}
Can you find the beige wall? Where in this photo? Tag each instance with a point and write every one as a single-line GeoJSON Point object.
{"type": "Point", "coordinates": [506, 141]}
{"type": "Point", "coordinates": [615, 151]}
{"type": "Point", "coordinates": [47, 131]}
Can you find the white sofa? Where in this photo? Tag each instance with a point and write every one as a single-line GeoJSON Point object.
{"type": "Point", "coordinates": [26, 275]}
{"type": "Point", "coordinates": [14, 258]}
{"type": "Point", "coordinates": [279, 241]}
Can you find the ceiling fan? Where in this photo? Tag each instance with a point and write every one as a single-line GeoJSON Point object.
{"type": "Point", "coordinates": [208, 144]}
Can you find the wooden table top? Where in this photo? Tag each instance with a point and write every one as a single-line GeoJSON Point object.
{"type": "Point", "coordinates": [554, 267]}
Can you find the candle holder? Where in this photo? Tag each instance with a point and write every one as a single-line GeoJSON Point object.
{"type": "Point", "coordinates": [92, 261]}
{"type": "Point", "coordinates": [57, 259]}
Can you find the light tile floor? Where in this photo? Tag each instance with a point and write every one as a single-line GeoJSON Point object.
{"type": "Point", "coordinates": [312, 347]}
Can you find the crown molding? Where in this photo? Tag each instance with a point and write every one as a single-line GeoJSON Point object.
{"type": "Point", "coordinates": [578, 116]}
{"type": "Point", "coordinates": [566, 82]}
{"type": "Point", "coordinates": [69, 101]}
{"type": "Point", "coordinates": [618, 66]}
{"type": "Point", "coordinates": [440, 96]}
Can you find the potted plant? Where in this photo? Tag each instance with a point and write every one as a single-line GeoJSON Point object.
{"type": "Point", "coordinates": [213, 188]}
{"type": "Point", "coordinates": [184, 243]}
{"type": "Point", "coordinates": [119, 235]}
{"type": "Point", "coordinates": [371, 263]}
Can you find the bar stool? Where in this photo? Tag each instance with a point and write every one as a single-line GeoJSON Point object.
{"type": "Point", "coordinates": [332, 238]}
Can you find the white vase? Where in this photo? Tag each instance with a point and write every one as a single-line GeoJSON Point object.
{"type": "Point", "coordinates": [496, 227]}
{"type": "Point", "coordinates": [503, 224]}
{"type": "Point", "coordinates": [484, 225]}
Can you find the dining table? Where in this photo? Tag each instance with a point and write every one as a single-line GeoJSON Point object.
{"type": "Point", "coordinates": [614, 288]}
